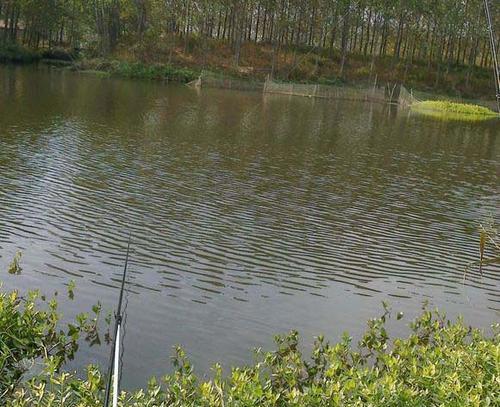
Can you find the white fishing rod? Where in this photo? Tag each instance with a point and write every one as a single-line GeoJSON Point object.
{"type": "Point", "coordinates": [114, 365]}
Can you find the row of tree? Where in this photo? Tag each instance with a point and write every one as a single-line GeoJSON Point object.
{"type": "Point", "coordinates": [451, 31]}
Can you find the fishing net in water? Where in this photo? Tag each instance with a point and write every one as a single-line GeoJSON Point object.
{"type": "Point", "coordinates": [405, 97]}
{"type": "Point", "coordinates": [388, 93]}
{"type": "Point", "coordinates": [368, 93]}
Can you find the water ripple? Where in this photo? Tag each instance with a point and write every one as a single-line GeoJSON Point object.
{"type": "Point", "coordinates": [245, 197]}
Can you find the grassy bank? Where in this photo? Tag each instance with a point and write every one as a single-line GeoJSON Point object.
{"type": "Point", "coordinates": [439, 363]}
{"type": "Point", "coordinates": [312, 65]}
{"type": "Point", "coordinates": [101, 66]}
{"type": "Point", "coordinates": [182, 61]}
{"type": "Point", "coordinates": [137, 70]}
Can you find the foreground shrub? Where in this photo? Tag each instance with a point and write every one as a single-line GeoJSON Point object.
{"type": "Point", "coordinates": [439, 363]}
{"type": "Point", "coordinates": [30, 331]}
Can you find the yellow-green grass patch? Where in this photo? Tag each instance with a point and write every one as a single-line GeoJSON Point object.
{"type": "Point", "coordinates": [446, 110]}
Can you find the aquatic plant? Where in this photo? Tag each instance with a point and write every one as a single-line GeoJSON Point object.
{"type": "Point", "coordinates": [15, 265]}
{"type": "Point", "coordinates": [439, 363]}
{"type": "Point", "coordinates": [453, 111]}
{"type": "Point", "coordinates": [488, 238]}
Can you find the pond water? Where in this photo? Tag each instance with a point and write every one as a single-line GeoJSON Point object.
{"type": "Point", "coordinates": [250, 214]}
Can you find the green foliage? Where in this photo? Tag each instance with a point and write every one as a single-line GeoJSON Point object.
{"type": "Point", "coordinates": [439, 363]}
{"type": "Point", "coordinates": [30, 331]}
{"type": "Point", "coordinates": [17, 54]}
{"type": "Point", "coordinates": [59, 54]}
{"type": "Point", "coordinates": [139, 70]}
{"type": "Point", "coordinates": [15, 265]}
{"type": "Point", "coordinates": [71, 289]}
{"type": "Point", "coordinates": [156, 71]}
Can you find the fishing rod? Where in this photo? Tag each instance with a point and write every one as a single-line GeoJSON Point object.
{"type": "Point", "coordinates": [114, 362]}
{"type": "Point", "coordinates": [493, 52]}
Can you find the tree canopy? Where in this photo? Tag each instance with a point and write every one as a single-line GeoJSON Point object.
{"type": "Point", "coordinates": [437, 31]}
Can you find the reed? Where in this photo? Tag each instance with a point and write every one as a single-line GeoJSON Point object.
{"type": "Point", "coordinates": [489, 241]}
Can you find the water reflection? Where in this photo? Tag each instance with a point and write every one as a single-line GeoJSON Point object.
{"type": "Point", "coordinates": [249, 213]}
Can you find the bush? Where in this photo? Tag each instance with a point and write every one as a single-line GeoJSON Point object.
{"type": "Point", "coordinates": [59, 54]}
{"type": "Point", "coordinates": [17, 54]}
{"type": "Point", "coordinates": [439, 363]}
{"type": "Point", "coordinates": [139, 70]}
{"type": "Point", "coordinates": [28, 333]}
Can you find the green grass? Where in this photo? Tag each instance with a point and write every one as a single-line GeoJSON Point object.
{"type": "Point", "coordinates": [137, 70]}
{"type": "Point", "coordinates": [155, 72]}
{"type": "Point", "coordinates": [453, 111]}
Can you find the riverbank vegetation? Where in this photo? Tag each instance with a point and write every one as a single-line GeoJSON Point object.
{"type": "Point", "coordinates": [440, 362]}
{"type": "Point", "coordinates": [138, 70]}
{"type": "Point", "coordinates": [18, 54]}
{"type": "Point", "coordinates": [441, 46]}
